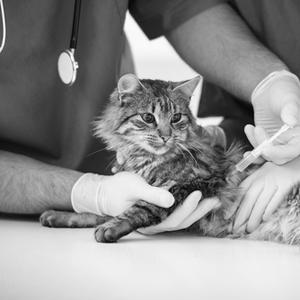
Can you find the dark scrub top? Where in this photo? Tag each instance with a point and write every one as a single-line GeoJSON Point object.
{"type": "Point", "coordinates": [40, 116]}
{"type": "Point", "coordinates": [276, 24]}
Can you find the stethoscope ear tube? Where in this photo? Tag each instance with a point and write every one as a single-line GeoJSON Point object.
{"type": "Point", "coordinates": [67, 65]}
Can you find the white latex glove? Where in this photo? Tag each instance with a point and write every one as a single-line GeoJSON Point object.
{"type": "Point", "coordinates": [112, 195]}
{"type": "Point", "coordinates": [264, 191]}
{"type": "Point", "coordinates": [276, 100]}
{"type": "Point", "coordinates": [185, 215]}
{"type": "Point", "coordinates": [284, 148]}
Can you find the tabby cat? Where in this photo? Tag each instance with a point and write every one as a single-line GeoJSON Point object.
{"type": "Point", "coordinates": [150, 121]}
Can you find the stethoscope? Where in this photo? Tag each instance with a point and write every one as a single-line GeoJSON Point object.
{"type": "Point", "coordinates": [67, 65]}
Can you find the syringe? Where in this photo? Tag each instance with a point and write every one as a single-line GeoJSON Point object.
{"type": "Point", "coordinates": [255, 153]}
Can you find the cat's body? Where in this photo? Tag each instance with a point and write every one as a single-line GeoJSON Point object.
{"type": "Point", "coordinates": [151, 124]}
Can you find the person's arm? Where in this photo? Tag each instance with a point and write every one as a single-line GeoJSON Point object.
{"type": "Point", "coordinates": [28, 186]}
{"type": "Point", "coordinates": [219, 45]}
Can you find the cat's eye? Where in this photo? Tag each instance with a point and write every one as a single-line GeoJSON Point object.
{"type": "Point", "coordinates": [176, 118]}
{"type": "Point", "coordinates": [148, 118]}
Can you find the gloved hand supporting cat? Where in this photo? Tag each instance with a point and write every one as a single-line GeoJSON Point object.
{"type": "Point", "coordinates": [112, 195]}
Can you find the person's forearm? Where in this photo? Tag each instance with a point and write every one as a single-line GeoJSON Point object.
{"type": "Point", "coordinates": [28, 186]}
{"type": "Point", "coordinates": [218, 44]}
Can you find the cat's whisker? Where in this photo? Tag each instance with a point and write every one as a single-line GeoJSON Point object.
{"type": "Point", "coordinates": [187, 150]}
{"type": "Point", "coordinates": [95, 152]}
{"type": "Point", "coordinates": [196, 148]}
{"type": "Point", "coordinates": [110, 164]}
{"type": "Point", "coordinates": [177, 146]}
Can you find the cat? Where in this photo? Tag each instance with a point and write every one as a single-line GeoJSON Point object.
{"type": "Point", "coordinates": [150, 122]}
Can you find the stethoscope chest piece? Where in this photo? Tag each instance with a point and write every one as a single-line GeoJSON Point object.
{"type": "Point", "coordinates": [67, 67]}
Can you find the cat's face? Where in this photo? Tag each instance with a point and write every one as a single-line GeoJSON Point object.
{"type": "Point", "coordinates": [155, 129]}
{"type": "Point", "coordinates": [156, 116]}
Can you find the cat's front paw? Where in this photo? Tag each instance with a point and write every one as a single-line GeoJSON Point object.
{"type": "Point", "coordinates": [112, 231]}
{"type": "Point", "coordinates": [104, 234]}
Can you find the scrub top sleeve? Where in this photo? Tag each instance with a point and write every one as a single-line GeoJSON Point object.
{"type": "Point", "coordinates": [156, 17]}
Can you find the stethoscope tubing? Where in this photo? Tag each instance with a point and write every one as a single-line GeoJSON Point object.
{"type": "Point", "coordinates": [75, 28]}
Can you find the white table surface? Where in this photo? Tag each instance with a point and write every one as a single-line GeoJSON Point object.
{"type": "Point", "coordinates": [45, 263]}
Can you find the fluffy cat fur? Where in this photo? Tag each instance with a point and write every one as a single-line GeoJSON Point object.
{"type": "Point", "coordinates": [150, 122]}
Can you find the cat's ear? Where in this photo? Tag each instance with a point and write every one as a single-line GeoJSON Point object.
{"type": "Point", "coordinates": [128, 84]}
{"type": "Point", "coordinates": [188, 87]}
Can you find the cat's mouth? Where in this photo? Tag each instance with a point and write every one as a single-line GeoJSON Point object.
{"type": "Point", "coordinates": [157, 149]}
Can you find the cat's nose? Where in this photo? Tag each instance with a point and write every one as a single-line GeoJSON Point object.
{"type": "Point", "coordinates": [165, 138]}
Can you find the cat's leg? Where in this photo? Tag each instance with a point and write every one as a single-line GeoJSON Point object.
{"type": "Point", "coordinates": [54, 218]}
{"type": "Point", "coordinates": [142, 214]}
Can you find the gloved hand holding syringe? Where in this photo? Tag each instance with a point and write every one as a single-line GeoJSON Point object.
{"type": "Point", "coordinates": [255, 153]}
